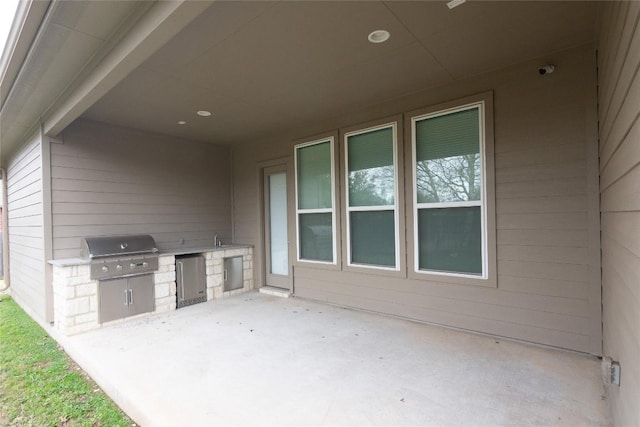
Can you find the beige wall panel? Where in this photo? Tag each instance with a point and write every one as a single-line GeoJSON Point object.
{"type": "Point", "coordinates": [418, 289]}
{"type": "Point", "coordinates": [624, 195]}
{"type": "Point", "coordinates": [25, 186]}
{"type": "Point", "coordinates": [560, 238]}
{"type": "Point", "coordinates": [552, 221]}
{"type": "Point", "coordinates": [500, 328]}
{"type": "Point", "coordinates": [543, 228]}
{"type": "Point", "coordinates": [24, 163]}
{"type": "Point", "coordinates": [622, 71]}
{"type": "Point", "coordinates": [622, 343]}
{"type": "Point", "coordinates": [565, 255]}
{"type": "Point", "coordinates": [557, 187]}
{"type": "Point", "coordinates": [625, 263]}
{"type": "Point", "coordinates": [29, 200]}
{"type": "Point", "coordinates": [566, 119]}
{"type": "Point", "coordinates": [541, 172]}
{"type": "Point", "coordinates": [624, 228]}
{"type": "Point", "coordinates": [606, 21]}
{"type": "Point", "coordinates": [619, 84]}
{"type": "Point", "coordinates": [623, 120]}
{"type": "Point", "coordinates": [544, 270]}
{"type": "Point", "coordinates": [614, 62]}
{"type": "Point", "coordinates": [108, 180]}
{"type": "Point", "coordinates": [27, 175]}
{"type": "Point", "coordinates": [624, 159]}
{"type": "Point", "coordinates": [25, 228]}
{"type": "Point", "coordinates": [17, 193]}
{"type": "Point", "coordinates": [401, 298]}
{"type": "Point", "coordinates": [548, 204]}
{"type": "Point", "coordinates": [536, 156]}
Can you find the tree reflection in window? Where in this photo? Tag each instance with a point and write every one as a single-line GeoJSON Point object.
{"type": "Point", "coordinates": [372, 187]}
{"type": "Point", "coordinates": [450, 179]}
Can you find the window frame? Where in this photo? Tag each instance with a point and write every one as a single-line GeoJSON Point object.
{"type": "Point", "coordinates": [395, 208]}
{"type": "Point", "coordinates": [331, 139]}
{"type": "Point", "coordinates": [488, 278]}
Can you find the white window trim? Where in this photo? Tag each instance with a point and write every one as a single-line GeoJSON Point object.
{"type": "Point", "coordinates": [394, 207]}
{"type": "Point", "coordinates": [480, 105]}
{"type": "Point", "coordinates": [331, 210]}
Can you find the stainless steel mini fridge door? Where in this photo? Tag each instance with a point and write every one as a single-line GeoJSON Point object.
{"type": "Point", "coordinates": [190, 280]}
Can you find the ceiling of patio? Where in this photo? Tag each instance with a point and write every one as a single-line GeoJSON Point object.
{"type": "Point", "coordinates": [263, 67]}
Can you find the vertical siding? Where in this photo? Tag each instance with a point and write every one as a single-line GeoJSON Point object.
{"type": "Point", "coordinates": [546, 201]}
{"type": "Point", "coordinates": [108, 180]}
{"type": "Point", "coordinates": [25, 228]}
{"type": "Point", "coordinates": [619, 111]}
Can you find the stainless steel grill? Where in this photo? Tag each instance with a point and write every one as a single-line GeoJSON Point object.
{"type": "Point", "coordinates": [120, 256]}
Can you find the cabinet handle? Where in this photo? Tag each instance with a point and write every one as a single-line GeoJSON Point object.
{"type": "Point", "coordinates": [181, 278]}
{"type": "Point", "coordinates": [225, 275]}
{"type": "Point", "coordinates": [126, 297]}
{"type": "Point", "coordinates": [131, 296]}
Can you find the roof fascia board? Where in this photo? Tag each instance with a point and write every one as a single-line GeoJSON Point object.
{"type": "Point", "coordinates": [24, 29]}
{"type": "Point", "coordinates": [161, 23]}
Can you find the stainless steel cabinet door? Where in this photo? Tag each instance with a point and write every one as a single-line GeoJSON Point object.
{"type": "Point", "coordinates": [191, 278]}
{"type": "Point", "coordinates": [141, 294]}
{"type": "Point", "coordinates": [233, 275]}
{"type": "Point", "coordinates": [113, 299]}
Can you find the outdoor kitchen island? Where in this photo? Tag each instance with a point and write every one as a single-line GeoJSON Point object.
{"type": "Point", "coordinates": [76, 295]}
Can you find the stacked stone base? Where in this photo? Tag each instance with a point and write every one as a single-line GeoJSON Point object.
{"type": "Point", "coordinates": [76, 296]}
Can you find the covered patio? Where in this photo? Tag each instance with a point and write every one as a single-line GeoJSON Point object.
{"type": "Point", "coordinates": [473, 165]}
{"type": "Point", "coordinates": [256, 359]}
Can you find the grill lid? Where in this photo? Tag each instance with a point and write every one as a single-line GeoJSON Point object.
{"type": "Point", "coordinates": [105, 246]}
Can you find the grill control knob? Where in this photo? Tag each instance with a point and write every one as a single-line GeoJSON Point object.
{"type": "Point", "coordinates": [145, 264]}
{"type": "Point", "coordinates": [118, 267]}
{"type": "Point", "coordinates": [132, 266]}
{"type": "Point", "coordinates": [104, 269]}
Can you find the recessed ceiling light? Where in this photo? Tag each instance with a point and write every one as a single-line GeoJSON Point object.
{"type": "Point", "coordinates": [182, 122]}
{"type": "Point", "coordinates": [204, 113]}
{"type": "Point", "coordinates": [379, 36]}
{"type": "Point", "coordinates": [455, 3]}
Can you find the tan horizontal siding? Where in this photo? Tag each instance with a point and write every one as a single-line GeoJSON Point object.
{"type": "Point", "coordinates": [550, 204]}
{"type": "Point", "coordinates": [25, 228]}
{"type": "Point", "coordinates": [541, 173]}
{"type": "Point", "coordinates": [313, 288]}
{"type": "Point", "coordinates": [619, 116]}
{"type": "Point", "coordinates": [561, 238]}
{"type": "Point", "coordinates": [564, 255]}
{"type": "Point", "coordinates": [543, 221]}
{"type": "Point", "coordinates": [624, 195]}
{"type": "Point", "coordinates": [546, 177]}
{"type": "Point", "coordinates": [107, 180]}
{"type": "Point", "coordinates": [623, 159]}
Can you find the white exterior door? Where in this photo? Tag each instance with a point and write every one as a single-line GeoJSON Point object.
{"type": "Point", "coordinates": [276, 227]}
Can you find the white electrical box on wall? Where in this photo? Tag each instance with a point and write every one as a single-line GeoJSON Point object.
{"type": "Point", "coordinates": [610, 371]}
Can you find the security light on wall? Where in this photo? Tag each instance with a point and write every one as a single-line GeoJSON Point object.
{"type": "Point", "coordinates": [546, 69]}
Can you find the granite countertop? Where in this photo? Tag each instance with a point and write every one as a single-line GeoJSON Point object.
{"type": "Point", "coordinates": [68, 261]}
{"type": "Point", "coordinates": [183, 251]}
{"type": "Point", "coordinates": [187, 251]}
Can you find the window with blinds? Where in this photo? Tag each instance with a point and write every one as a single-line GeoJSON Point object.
{"type": "Point", "coordinates": [449, 191]}
{"type": "Point", "coordinates": [371, 197]}
{"type": "Point", "coordinates": [315, 201]}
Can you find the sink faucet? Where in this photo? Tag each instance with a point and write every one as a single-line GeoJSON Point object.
{"type": "Point", "coordinates": [216, 241]}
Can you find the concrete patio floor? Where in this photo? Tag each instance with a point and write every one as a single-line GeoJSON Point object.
{"type": "Point", "coordinates": [255, 359]}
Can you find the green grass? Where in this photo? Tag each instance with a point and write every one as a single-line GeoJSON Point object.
{"type": "Point", "coordinates": [40, 385]}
